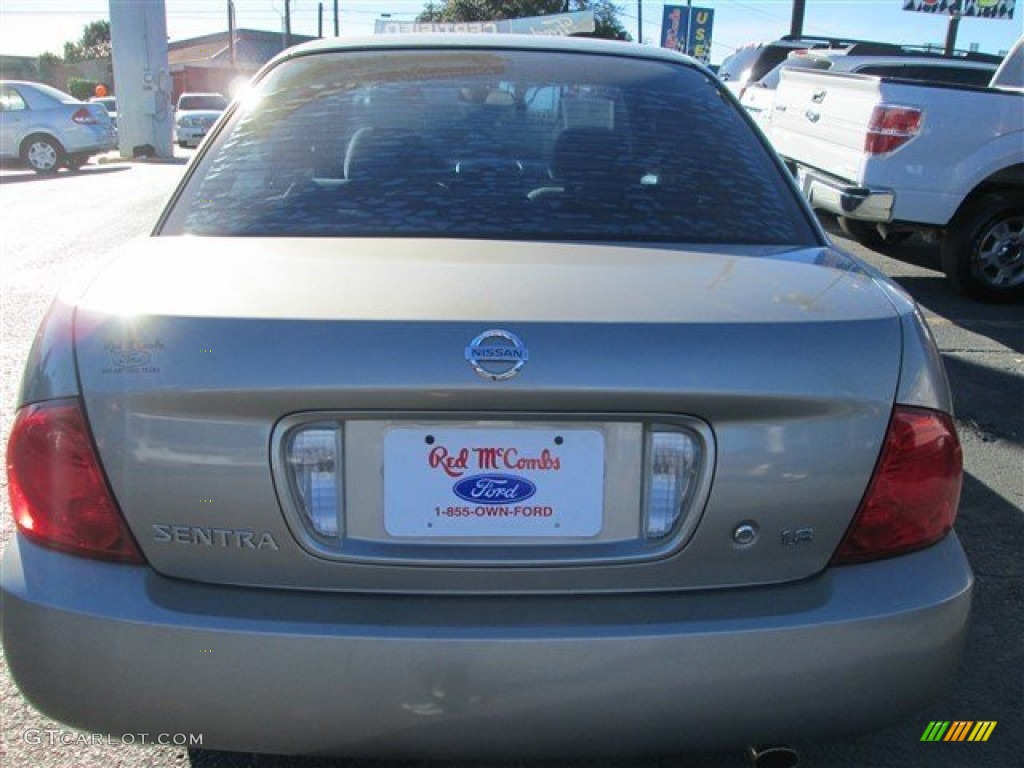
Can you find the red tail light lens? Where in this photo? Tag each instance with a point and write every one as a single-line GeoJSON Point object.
{"type": "Point", "coordinates": [59, 495]}
{"type": "Point", "coordinates": [913, 496]}
{"type": "Point", "coordinates": [84, 117]}
{"type": "Point", "coordinates": [891, 127]}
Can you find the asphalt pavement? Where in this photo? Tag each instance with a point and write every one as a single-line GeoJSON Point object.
{"type": "Point", "coordinates": [53, 227]}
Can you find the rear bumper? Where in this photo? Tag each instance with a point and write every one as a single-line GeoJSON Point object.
{"type": "Point", "coordinates": [119, 649]}
{"type": "Point", "coordinates": [190, 136]}
{"type": "Point", "coordinates": [90, 140]}
{"type": "Point", "coordinates": [839, 197]}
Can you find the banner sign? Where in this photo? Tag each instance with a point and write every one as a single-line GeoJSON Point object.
{"type": "Point", "coordinates": [688, 30]}
{"type": "Point", "coordinates": [559, 24]}
{"type": "Point", "coordinates": [980, 9]}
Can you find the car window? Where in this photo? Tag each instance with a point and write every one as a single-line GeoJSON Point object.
{"type": "Point", "coordinates": [934, 74]}
{"type": "Point", "coordinates": [771, 56]}
{"type": "Point", "coordinates": [490, 145]}
{"type": "Point", "coordinates": [736, 66]}
{"type": "Point", "coordinates": [204, 101]}
{"type": "Point", "coordinates": [54, 94]}
{"type": "Point", "coordinates": [11, 101]}
{"type": "Point", "coordinates": [771, 80]}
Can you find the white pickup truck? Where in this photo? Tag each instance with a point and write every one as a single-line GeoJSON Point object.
{"type": "Point", "coordinates": [890, 157]}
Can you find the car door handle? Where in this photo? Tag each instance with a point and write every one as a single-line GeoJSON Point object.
{"type": "Point", "coordinates": [819, 96]}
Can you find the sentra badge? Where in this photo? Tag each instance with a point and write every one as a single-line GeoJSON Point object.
{"type": "Point", "coordinates": [497, 355]}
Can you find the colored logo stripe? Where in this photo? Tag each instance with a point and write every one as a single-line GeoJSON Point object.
{"type": "Point", "coordinates": [958, 730]}
{"type": "Point", "coordinates": [982, 730]}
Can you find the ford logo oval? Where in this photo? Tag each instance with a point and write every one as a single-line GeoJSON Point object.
{"type": "Point", "coordinates": [494, 489]}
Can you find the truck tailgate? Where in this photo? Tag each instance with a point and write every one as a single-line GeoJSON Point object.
{"type": "Point", "coordinates": [822, 120]}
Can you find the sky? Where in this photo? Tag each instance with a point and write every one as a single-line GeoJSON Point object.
{"type": "Point", "coordinates": [31, 27]}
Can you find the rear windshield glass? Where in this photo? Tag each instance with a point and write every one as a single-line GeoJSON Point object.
{"type": "Point", "coordinates": [477, 143]}
{"type": "Point", "coordinates": [751, 64]}
{"type": "Point", "coordinates": [936, 74]}
{"type": "Point", "coordinates": [772, 79]}
{"type": "Point", "coordinates": [53, 93]}
{"type": "Point", "coordinates": [205, 101]}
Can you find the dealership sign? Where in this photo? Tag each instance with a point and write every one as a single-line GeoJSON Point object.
{"type": "Point", "coordinates": [688, 30]}
{"type": "Point", "coordinates": [983, 9]}
{"type": "Point", "coordinates": [559, 24]}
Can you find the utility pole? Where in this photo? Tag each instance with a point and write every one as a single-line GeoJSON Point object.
{"type": "Point", "coordinates": [138, 33]}
{"type": "Point", "coordinates": [796, 24]}
{"type": "Point", "coordinates": [951, 30]}
{"type": "Point", "coordinates": [640, 21]}
{"type": "Point", "coordinates": [689, 26]}
{"type": "Point", "coordinates": [337, 30]}
{"type": "Point", "coordinates": [231, 30]}
{"type": "Point", "coordinates": [320, 20]}
{"type": "Point", "coordinates": [287, 23]}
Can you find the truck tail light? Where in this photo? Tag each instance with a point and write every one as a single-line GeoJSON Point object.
{"type": "Point", "coordinates": [59, 494]}
{"type": "Point", "coordinates": [891, 127]}
{"type": "Point", "coordinates": [912, 499]}
{"type": "Point", "coordinates": [84, 117]}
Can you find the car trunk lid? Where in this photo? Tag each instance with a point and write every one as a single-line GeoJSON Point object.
{"type": "Point", "coordinates": [783, 362]}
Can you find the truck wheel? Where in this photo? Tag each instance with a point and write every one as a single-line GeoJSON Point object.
{"type": "Point", "coordinates": [983, 251]}
{"type": "Point", "coordinates": [867, 234]}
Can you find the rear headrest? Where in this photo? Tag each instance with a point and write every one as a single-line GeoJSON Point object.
{"type": "Point", "coordinates": [376, 155]}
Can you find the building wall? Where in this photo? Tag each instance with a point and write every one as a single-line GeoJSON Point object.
{"type": "Point", "coordinates": [206, 79]}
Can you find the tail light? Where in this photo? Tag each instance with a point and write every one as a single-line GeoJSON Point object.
{"type": "Point", "coordinates": [314, 460]}
{"type": "Point", "coordinates": [84, 117]}
{"type": "Point", "coordinates": [891, 127]}
{"type": "Point", "coordinates": [913, 496]}
{"type": "Point", "coordinates": [671, 470]}
{"type": "Point", "coordinates": [59, 494]}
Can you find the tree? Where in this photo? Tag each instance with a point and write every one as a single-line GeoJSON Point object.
{"type": "Point", "coordinates": [46, 67]}
{"type": "Point", "coordinates": [606, 13]}
{"type": "Point", "coordinates": [93, 44]}
{"type": "Point", "coordinates": [81, 88]}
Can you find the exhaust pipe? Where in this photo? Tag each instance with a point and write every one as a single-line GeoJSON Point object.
{"type": "Point", "coordinates": [775, 756]}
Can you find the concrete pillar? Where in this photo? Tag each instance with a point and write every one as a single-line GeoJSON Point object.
{"type": "Point", "coordinates": [142, 78]}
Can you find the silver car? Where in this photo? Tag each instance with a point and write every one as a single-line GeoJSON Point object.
{"type": "Point", "coordinates": [473, 395]}
{"type": "Point", "coordinates": [48, 129]}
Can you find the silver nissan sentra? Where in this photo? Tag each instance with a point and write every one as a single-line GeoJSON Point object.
{"type": "Point", "coordinates": [484, 396]}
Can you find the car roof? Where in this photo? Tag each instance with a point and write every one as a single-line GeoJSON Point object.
{"type": "Point", "coordinates": [485, 41]}
{"type": "Point", "coordinates": [22, 83]}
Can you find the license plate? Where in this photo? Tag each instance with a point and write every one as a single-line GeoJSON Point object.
{"type": "Point", "coordinates": [493, 483]}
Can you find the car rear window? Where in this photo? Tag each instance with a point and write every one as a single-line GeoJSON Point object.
{"type": "Point", "coordinates": [932, 74]}
{"type": "Point", "coordinates": [490, 144]}
{"type": "Point", "coordinates": [772, 79]}
{"type": "Point", "coordinates": [202, 102]}
{"type": "Point", "coordinates": [751, 64]}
